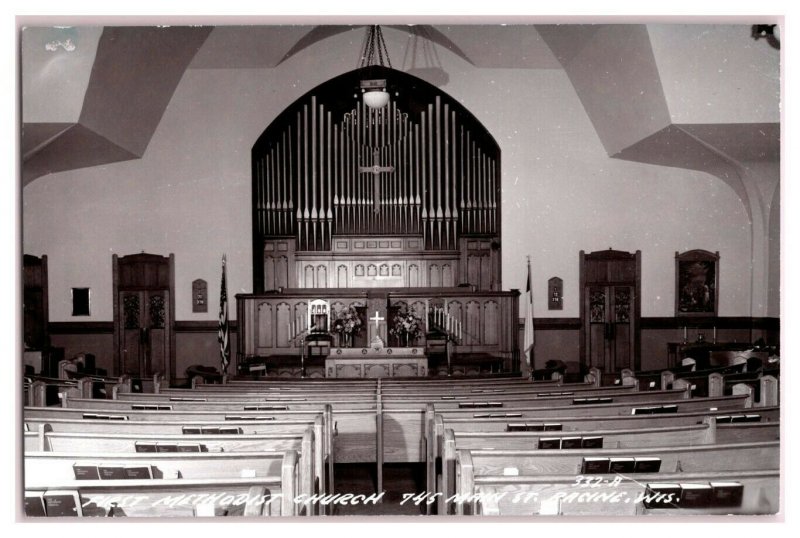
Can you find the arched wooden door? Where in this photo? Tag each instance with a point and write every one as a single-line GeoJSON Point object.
{"type": "Point", "coordinates": [144, 315]}
{"type": "Point", "coordinates": [610, 310]}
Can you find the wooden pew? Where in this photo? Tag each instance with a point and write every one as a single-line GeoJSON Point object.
{"type": "Point", "coordinates": [45, 440]}
{"type": "Point", "coordinates": [262, 496]}
{"type": "Point", "coordinates": [44, 469]}
{"type": "Point", "coordinates": [765, 392]}
{"type": "Point", "coordinates": [564, 495]}
{"type": "Point", "coordinates": [49, 391]}
{"type": "Point", "coordinates": [706, 433]}
{"type": "Point", "coordinates": [158, 422]}
{"type": "Point", "coordinates": [190, 395]}
{"type": "Point", "coordinates": [352, 422]}
{"type": "Point", "coordinates": [680, 462]}
{"type": "Point", "coordinates": [432, 440]}
{"type": "Point", "coordinates": [38, 428]}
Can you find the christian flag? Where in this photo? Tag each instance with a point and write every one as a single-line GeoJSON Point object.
{"type": "Point", "coordinates": [224, 332]}
{"type": "Point", "coordinates": [527, 346]}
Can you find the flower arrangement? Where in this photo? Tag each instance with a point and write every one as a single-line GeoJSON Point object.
{"type": "Point", "coordinates": [347, 322]}
{"type": "Point", "coordinates": [405, 326]}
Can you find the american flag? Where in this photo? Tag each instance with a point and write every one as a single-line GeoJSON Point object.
{"type": "Point", "coordinates": [223, 333]}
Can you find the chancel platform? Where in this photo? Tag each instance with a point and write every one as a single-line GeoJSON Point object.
{"type": "Point", "coordinates": [284, 326]}
{"type": "Point", "coordinates": [377, 361]}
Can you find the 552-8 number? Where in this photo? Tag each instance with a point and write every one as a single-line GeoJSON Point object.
{"type": "Point", "coordinates": [595, 481]}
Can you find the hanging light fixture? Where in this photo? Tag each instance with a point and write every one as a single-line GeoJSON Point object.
{"type": "Point", "coordinates": [374, 90]}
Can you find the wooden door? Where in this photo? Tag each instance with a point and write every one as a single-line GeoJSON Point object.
{"type": "Point", "coordinates": [144, 336]}
{"type": "Point", "coordinates": [144, 315]}
{"type": "Point", "coordinates": [34, 302]}
{"type": "Point", "coordinates": [609, 327]}
{"type": "Point", "coordinates": [610, 310]}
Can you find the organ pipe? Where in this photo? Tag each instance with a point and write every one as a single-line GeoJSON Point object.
{"type": "Point", "coordinates": [441, 182]}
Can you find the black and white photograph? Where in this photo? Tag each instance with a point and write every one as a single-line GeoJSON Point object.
{"type": "Point", "coordinates": [400, 269]}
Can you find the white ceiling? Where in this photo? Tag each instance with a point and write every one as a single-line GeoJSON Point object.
{"type": "Point", "coordinates": [103, 101]}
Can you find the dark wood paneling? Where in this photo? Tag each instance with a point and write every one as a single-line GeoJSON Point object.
{"type": "Point", "coordinates": [81, 327]}
{"type": "Point", "coordinates": [767, 324]}
{"type": "Point", "coordinates": [202, 326]}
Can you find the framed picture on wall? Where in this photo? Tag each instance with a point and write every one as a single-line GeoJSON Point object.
{"type": "Point", "coordinates": [696, 283]}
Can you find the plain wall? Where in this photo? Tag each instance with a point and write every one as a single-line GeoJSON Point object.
{"type": "Point", "coordinates": [190, 193]}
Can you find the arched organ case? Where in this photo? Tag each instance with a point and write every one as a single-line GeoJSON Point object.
{"type": "Point", "coordinates": [348, 196]}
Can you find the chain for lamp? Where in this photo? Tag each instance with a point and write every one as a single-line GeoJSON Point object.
{"type": "Point", "coordinates": [375, 43]}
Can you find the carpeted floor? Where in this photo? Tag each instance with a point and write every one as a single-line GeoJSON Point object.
{"type": "Point", "coordinates": [398, 479]}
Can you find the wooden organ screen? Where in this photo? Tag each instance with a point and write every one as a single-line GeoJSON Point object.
{"type": "Point", "coordinates": [339, 188]}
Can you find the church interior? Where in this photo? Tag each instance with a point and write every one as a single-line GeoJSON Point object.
{"type": "Point", "coordinates": [364, 205]}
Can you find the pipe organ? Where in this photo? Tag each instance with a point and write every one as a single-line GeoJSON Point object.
{"type": "Point", "coordinates": [339, 187]}
{"type": "Point", "coordinates": [405, 199]}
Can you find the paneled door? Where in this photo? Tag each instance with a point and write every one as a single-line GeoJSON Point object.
{"type": "Point", "coordinates": [144, 315]}
{"type": "Point", "coordinates": [144, 338]}
{"type": "Point", "coordinates": [610, 328]}
{"type": "Point", "coordinates": [610, 310]}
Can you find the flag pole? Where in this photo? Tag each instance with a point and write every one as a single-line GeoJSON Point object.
{"type": "Point", "coordinates": [528, 344]}
{"type": "Point", "coordinates": [223, 333]}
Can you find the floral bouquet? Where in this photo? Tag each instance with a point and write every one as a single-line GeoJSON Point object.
{"type": "Point", "coordinates": [405, 326]}
{"type": "Point", "coordinates": [347, 322]}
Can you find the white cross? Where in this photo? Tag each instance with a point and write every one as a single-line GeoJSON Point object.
{"type": "Point", "coordinates": [376, 171]}
{"type": "Point", "coordinates": [377, 319]}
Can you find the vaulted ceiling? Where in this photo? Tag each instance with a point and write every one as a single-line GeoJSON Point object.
{"type": "Point", "coordinates": [102, 101]}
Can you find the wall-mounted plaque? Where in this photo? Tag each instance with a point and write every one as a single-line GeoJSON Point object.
{"type": "Point", "coordinates": [199, 295]}
{"type": "Point", "coordinates": [555, 294]}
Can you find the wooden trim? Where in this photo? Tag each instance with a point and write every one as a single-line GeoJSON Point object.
{"type": "Point", "coordinates": [107, 327]}
{"type": "Point", "coordinates": [81, 327]}
{"type": "Point", "coordinates": [553, 324]}
{"type": "Point", "coordinates": [664, 323]}
{"type": "Point", "coordinates": [637, 317]}
{"type": "Point", "coordinates": [202, 326]}
{"type": "Point", "coordinates": [544, 324]}
{"type": "Point", "coordinates": [732, 322]}
{"type": "Point", "coordinates": [173, 348]}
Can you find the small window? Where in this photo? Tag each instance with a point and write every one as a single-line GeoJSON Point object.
{"type": "Point", "coordinates": [80, 301]}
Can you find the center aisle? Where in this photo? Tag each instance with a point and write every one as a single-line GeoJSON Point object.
{"type": "Point", "coordinates": [359, 479]}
